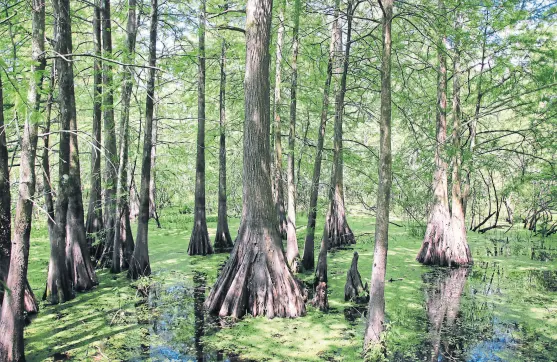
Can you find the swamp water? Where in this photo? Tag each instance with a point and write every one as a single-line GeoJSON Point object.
{"type": "Point", "coordinates": [504, 308]}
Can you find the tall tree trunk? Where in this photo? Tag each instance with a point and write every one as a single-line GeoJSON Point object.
{"type": "Point", "coordinates": [139, 263]}
{"type": "Point", "coordinates": [308, 261]}
{"type": "Point", "coordinates": [153, 213]}
{"type": "Point", "coordinates": [256, 279]}
{"type": "Point", "coordinates": [123, 238]}
{"type": "Point", "coordinates": [5, 200]}
{"type": "Point", "coordinates": [458, 245]}
{"type": "Point", "coordinates": [111, 153]}
{"type": "Point", "coordinates": [70, 268]}
{"type": "Point", "coordinates": [94, 226]}
{"type": "Point", "coordinates": [292, 253]}
{"type": "Point", "coordinates": [200, 244]}
{"type": "Point", "coordinates": [12, 317]}
{"type": "Point", "coordinates": [376, 310]}
{"type": "Point", "coordinates": [339, 233]}
{"type": "Point", "coordinates": [277, 180]}
{"type": "Point", "coordinates": [434, 246]}
{"type": "Point", "coordinates": [223, 241]}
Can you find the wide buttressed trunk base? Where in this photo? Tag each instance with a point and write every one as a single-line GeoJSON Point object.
{"type": "Point", "coordinates": [200, 244]}
{"type": "Point", "coordinates": [340, 234]}
{"type": "Point", "coordinates": [256, 279]}
{"type": "Point", "coordinates": [223, 241]}
{"type": "Point", "coordinates": [320, 299]}
{"type": "Point", "coordinates": [441, 245]}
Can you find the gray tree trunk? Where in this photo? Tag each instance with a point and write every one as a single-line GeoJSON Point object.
{"type": "Point", "coordinates": [139, 263]}
{"type": "Point", "coordinates": [376, 310]}
{"type": "Point", "coordinates": [200, 244]}
{"type": "Point", "coordinates": [256, 279]}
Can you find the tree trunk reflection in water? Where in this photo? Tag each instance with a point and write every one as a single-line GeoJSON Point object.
{"type": "Point", "coordinates": [443, 295]}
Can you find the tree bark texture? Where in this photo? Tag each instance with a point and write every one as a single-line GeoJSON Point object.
{"type": "Point", "coordinates": [308, 261]}
{"type": "Point", "coordinates": [200, 244]}
{"type": "Point", "coordinates": [277, 180]}
{"type": "Point", "coordinates": [223, 241]}
{"type": "Point", "coordinates": [256, 279]}
{"type": "Point", "coordinates": [354, 289]}
{"type": "Point", "coordinates": [12, 315]}
{"type": "Point", "coordinates": [139, 263]}
{"type": "Point", "coordinates": [434, 246]}
{"type": "Point", "coordinates": [292, 252]}
{"type": "Point", "coordinates": [123, 238]}
{"type": "Point", "coordinates": [94, 225]}
{"type": "Point", "coordinates": [376, 310]}
{"type": "Point", "coordinates": [340, 233]}
{"type": "Point", "coordinates": [111, 153]}
{"type": "Point", "coordinates": [5, 200]}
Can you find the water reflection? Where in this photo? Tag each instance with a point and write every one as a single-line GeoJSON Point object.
{"type": "Point", "coordinates": [443, 292]}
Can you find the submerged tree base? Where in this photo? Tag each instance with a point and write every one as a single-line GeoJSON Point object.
{"type": "Point", "coordinates": [256, 279]}
{"type": "Point", "coordinates": [200, 244]}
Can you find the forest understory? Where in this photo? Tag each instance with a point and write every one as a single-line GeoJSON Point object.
{"type": "Point", "coordinates": [507, 310]}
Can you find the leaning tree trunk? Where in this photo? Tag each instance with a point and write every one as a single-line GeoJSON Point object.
{"type": "Point", "coordinates": [223, 241]}
{"type": "Point", "coordinates": [94, 226]}
{"type": "Point", "coordinates": [123, 238]}
{"type": "Point", "coordinates": [111, 153]}
{"type": "Point", "coordinates": [340, 233]}
{"type": "Point", "coordinates": [256, 279]}
{"type": "Point", "coordinates": [376, 310]}
{"type": "Point", "coordinates": [458, 245]}
{"type": "Point", "coordinates": [139, 263]}
{"type": "Point", "coordinates": [292, 253]}
{"type": "Point", "coordinates": [12, 317]}
{"type": "Point", "coordinates": [277, 179]}
{"type": "Point", "coordinates": [200, 244]}
{"type": "Point", "coordinates": [308, 260]}
{"type": "Point", "coordinates": [434, 247]}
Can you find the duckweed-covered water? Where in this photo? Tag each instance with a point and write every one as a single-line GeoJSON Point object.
{"type": "Point", "coordinates": [504, 308]}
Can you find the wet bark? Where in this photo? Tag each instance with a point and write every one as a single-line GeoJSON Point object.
{"type": "Point", "coordinates": [434, 246]}
{"type": "Point", "coordinates": [340, 233]}
{"type": "Point", "coordinates": [256, 279]}
{"type": "Point", "coordinates": [111, 153]}
{"type": "Point", "coordinates": [458, 244]}
{"type": "Point", "coordinates": [373, 339]}
{"type": "Point", "coordinates": [123, 238]}
{"type": "Point", "coordinates": [223, 241]}
{"type": "Point", "coordinates": [354, 289]}
{"type": "Point", "coordinates": [12, 315]}
{"type": "Point", "coordinates": [94, 225]}
{"type": "Point", "coordinates": [277, 179]}
{"type": "Point", "coordinates": [200, 244]}
{"type": "Point", "coordinates": [308, 260]}
{"type": "Point", "coordinates": [139, 263]}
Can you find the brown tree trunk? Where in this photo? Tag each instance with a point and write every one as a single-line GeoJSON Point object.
{"type": "Point", "coordinates": [340, 233]}
{"type": "Point", "coordinates": [5, 201]}
{"type": "Point", "coordinates": [12, 315]}
{"type": "Point", "coordinates": [59, 285]}
{"type": "Point", "coordinates": [292, 252]}
{"type": "Point", "coordinates": [256, 279]}
{"type": "Point", "coordinates": [354, 288]}
{"type": "Point", "coordinates": [111, 152]}
{"type": "Point", "coordinates": [320, 298]}
{"type": "Point", "coordinates": [200, 244]}
{"type": "Point", "coordinates": [153, 213]}
{"type": "Point", "coordinates": [277, 180]}
{"type": "Point", "coordinates": [123, 238]}
{"type": "Point", "coordinates": [309, 259]}
{"type": "Point", "coordinates": [457, 242]}
{"type": "Point", "coordinates": [434, 246]}
{"type": "Point", "coordinates": [223, 241]}
{"type": "Point", "coordinates": [376, 310]}
{"type": "Point", "coordinates": [94, 226]}
{"type": "Point", "coordinates": [139, 263]}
